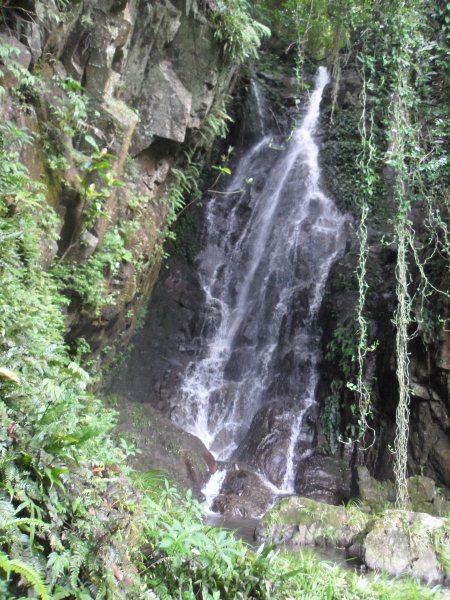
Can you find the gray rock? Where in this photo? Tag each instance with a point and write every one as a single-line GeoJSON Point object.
{"type": "Point", "coordinates": [427, 567]}
{"type": "Point", "coordinates": [373, 493]}
{"type": "Point", "coordinates": [99, 57]}
{"type": "Point", "coordinates": [89, 243]}
{"type": "Point", "coordinates": [164, 109]}
{"type": "Point", "coordinates": [402, 542]}
{"type": "Point", "coordinates": [444, 351]}
{"type": "Point", "coordinates": [22, 56]}
{"type": "Point", "coordinates": [420, 489]}
{"type": "Point", "coordinates": [324, 478]}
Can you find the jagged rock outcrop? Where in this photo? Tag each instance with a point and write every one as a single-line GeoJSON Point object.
{"type": "Point", "coordinates": [150, 72]}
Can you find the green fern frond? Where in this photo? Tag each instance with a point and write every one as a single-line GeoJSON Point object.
{"type": "Point", "coordinates": [21, 521]}
{"type": "Point", "coordinates": [32, 576]}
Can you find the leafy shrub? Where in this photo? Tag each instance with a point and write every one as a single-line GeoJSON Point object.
{"type": "Point", "coordinates": [239, 34]}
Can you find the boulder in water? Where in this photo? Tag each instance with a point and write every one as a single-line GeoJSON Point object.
{"type": "Point", "coordinates": [243, 494]}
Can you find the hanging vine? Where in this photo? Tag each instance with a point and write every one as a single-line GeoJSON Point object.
{"type": "Point", "coordinates": [402, 76]}
{"type": "Point", "coordinates": [366, 165]}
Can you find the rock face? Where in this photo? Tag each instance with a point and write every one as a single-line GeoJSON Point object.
{"type": "Point", "coordinates": [150, 72]}
{"type": "Point", "coordinates": [429, 441]}
{"type": "Point", "coordinates": [164, 447]}
{"type": "Point", "coordinates": [163, 342]}
{"type": "Point", "coordinates": [397, 542]}
{"type": "Point", "coordinates": [423, 495]}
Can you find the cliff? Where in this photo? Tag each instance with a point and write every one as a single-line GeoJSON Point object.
{"type": "Point", "coordinates": [121, 93]}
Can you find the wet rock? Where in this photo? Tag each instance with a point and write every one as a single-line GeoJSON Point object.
{"type": "Point", "coordinates": [324, 478]}
{"type": "Point", "coordinates": [165, 342]}
{"type": "Point", "coordinates": [163, 446]}
{"type": "Point", "coordinates": [305, 522]}
{"type": "Point", "coordinates": [444, 352]}
{"type": "Point", "coordinates": [266, 444]}
{"type": "Point", "coordinates": [243, 494]}
{"type": "Point", "coordinates": [402, 542]}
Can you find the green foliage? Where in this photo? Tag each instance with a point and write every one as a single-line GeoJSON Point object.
{"type": "Point", "coordinates": [238, 32]}
{"type": "Point", "coordinates": [31, 575]}
{"type": "Point", "coordinates": [342, 349]}
{"type": "Point", "coordinates": [186, 559]}
{"type": "Point", "coordinates": [216, 123]}
{"type": "Point", "coordinates": [71, 111]}
{"type": "Point", "coordinates": [398, 69]}
{"type": "Point", "coordinates": [71, 523]}
{"type": "Point", "coordinates": [187, 241]}
{"type": "Point", "coordinates": [97, 184]}
{"type": "Point", "coordinates": [330, 418]}
{"type": "Point", "coordinates": [89, 279]}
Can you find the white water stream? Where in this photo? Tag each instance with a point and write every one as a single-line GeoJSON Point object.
{"type": "Point", "coordinates": [270, 243]}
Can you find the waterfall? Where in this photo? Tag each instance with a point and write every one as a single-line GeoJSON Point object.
{"type": "Point", "coordinates": [258, 101]}
{"type": "Point", "coordinates": [270, 242]}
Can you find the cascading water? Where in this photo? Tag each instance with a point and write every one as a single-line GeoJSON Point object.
{"type": "Point", "coordinates": [258, 101]}
{"type": "Point", "coordinates": [271, 239]}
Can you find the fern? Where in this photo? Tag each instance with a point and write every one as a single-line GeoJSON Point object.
{"type": "Point", "coordinates": [80, 552]}
{"type": "Point", "coordinates": [238, 32]}
{"type": "Point", "coordinates": [21, 568]}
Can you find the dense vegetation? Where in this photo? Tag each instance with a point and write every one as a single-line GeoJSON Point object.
{"type": "Point", "coordinates": [75, 522]}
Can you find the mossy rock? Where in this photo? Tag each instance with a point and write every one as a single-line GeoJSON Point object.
{"type": "Point", "coordinates": [424, 497]}
{"type": "Point", "coordinates": [304, 522]}
{"type": "Point", "coordinates": [403, 542]}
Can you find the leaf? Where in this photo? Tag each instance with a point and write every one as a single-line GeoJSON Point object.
{"type": "Point", "coordinates": [91, 141]}
{"type": "Point", "coordinates": [32, 576]}
{"type": "Point", "coordinates": [9, 375]}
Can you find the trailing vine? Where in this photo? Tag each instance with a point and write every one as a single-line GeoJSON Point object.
{"type": "Point", "coordinates": [366, 166]}
{"type": "Point", "coordinates": [401, 74]}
